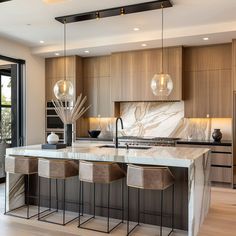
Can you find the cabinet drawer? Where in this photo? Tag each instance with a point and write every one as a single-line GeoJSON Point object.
{"type": "Point", "coordinates": [221, 159]}
{"type": "Point", "coordinates": [221, 174]}
{"type": "Point", "coordinates": [221, 149]}
{"type": "Point", "coordinates": [193, 146]}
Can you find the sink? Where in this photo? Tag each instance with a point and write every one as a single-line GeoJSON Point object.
{"type": "Point", "coordinates": [124, 147]}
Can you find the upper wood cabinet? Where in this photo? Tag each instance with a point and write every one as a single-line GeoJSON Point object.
{"type": "Point", "coordinates": [132, 72]}
{"type": "Point", "coordinates": [55, 71]}
{"type": "Point", "coordinates": [234, 64]}
{"type": "Point", "coordinates": [97, 83]}
{"type": "Point", "coordinates": [207, 81]}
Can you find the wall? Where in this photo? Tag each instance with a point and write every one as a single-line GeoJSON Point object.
{"type": "Point", "coordinates": [158, 119]}
{"type": "Point", "coordinates": [34, 88]}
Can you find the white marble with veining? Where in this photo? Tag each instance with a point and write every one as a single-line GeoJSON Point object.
{"type": "Point", "coordinates": [84, 150]}
{"type": "Point", "coordinates": [197, 160]}
{"type": "Point", "coordinates": [162, 119]}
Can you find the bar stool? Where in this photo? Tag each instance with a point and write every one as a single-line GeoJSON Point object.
{"type": "Point", "coordinates": [57, 170]}
{"type": "Point", "coordinates": [26, 166]}
{"type": "Point", "coordinates": [103, 173]}
{"type": "Point", "coordinates": [152, 178]}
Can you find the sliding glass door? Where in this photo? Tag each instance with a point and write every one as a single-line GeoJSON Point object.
{"type": "Point", "coordinates": [11, 107]}
{"type": "Point", "coordinates": [5, 106]}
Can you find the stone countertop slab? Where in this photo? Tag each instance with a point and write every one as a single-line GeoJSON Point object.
{"type": "Point", "coordinates": [92, 151]}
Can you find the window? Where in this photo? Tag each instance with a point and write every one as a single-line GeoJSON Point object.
{"type": "Point", "coordinates": [5, 106]}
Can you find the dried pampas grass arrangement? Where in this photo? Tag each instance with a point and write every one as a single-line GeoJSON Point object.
{"type": "Point", "coordinates": [69, 114]}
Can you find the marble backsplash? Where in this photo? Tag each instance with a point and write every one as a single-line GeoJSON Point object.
{"type": "Point", "coordinates": [162, 119]}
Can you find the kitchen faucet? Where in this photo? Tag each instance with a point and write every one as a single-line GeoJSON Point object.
{"type": "Point", "coordinates": [116, 138]}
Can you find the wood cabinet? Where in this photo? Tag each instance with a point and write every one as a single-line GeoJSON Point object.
{"type": "Point", "coordinates": [132, 73]}
{"type": "Point", "coordinates": [221, 162]}
{"type": "Point", "coordinates": [97, 83]}
{"type": "Point", "coordinates": [207, 82]}
{"type": "Point", "coordinates": [55, 70]}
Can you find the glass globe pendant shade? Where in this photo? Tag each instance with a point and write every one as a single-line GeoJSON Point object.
{"type": "Point", "coordinates": [161, 85]}
{"type": "Point", "coordinates": [64, 90]}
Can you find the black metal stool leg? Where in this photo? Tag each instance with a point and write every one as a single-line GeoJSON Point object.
{"type": "Point", "coordinates": [161, 212]}
{"type": "Point", "coordinates": [108, 207]}
{"type": "Point", "coordinates": [27, 196]}
{"type": "Point", "coordinates": [39, 197]}
{"type": "Point", "coordinates": [57, 194]}
{"type": "Point", "coordinates": [138, 206]}
{"type": "Point", "coordinates": [128, 210]}
{"type": "Point", "coordinates": [173, 206]}
{"type": "Point", "coordinates": [5, 210]}
{"type": "Point", "coordinates": [64, 201]}
{"type": "Point", "coordinates": [122, 199]}
{"type": "Point", "coordinates": [80, 204]}
{"type": "Point", "coordinates": [82, 198]}
{"type": "Point", "coordinates": [94, 200]}
{"type": "Point", "coordinates": [50, 194]}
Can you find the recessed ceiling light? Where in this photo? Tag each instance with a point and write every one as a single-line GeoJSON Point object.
{"type": "Point", "coordinates": [144, 45]}
{"type": "Point", "coordinates": [41, 41]}
{"type": "Point", "coordinates": [57, 54]}
{"type": "Point", "coordinates": [87, 51]}
{"type": "Point", "coordinates": [53, 1]}
{"type": "Point", "coordinates": [205, 39]}
{"type": "Point", "coordinates": [136, 29]}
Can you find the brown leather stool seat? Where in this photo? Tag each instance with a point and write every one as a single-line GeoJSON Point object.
{"type": "Point", "coordinates": [149, 177]}
{"type": "Point", "coordinates": [54, 169]}
{"type": "Point", "coordinates": [152, 178]}
{"type": "Point", "coordinates": [21, 165]}
{"type": "Point", "coordinates": [57, 169]}
{"type": "Point", "coordinates": [26, 166]}
{"type": "Point", "coordinates": [101, 173]}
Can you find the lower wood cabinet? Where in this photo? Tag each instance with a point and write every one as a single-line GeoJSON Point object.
{"type": "Point", "coordinates": [221, 162]}
{"type": "Point", "coordinates": [221, 174]}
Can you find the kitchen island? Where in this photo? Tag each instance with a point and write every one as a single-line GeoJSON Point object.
{"type": "Point", "coordinates": [190, 166]}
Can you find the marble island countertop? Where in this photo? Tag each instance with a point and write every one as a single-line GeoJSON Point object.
{"type": "Point", "coordinates": [90, 150]}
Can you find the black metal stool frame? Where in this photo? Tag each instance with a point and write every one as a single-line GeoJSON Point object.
{"type": "Point", "coordinates": [27, 205]}
{"type": "Point", "coordinates": [106, 207]}
{"type": "Point", "coordinates": [161, 213]}
{"type": "Point", "coordinates": [42, 218]}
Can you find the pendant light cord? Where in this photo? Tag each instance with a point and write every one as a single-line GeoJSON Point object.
{"type": "Point", "coordinates": [64, 49]}
{"type": "Point", "coordinates": [162, 39]}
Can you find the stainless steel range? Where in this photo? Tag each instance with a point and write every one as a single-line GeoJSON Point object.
{"type": "Point", "coordinates": [140, 141]}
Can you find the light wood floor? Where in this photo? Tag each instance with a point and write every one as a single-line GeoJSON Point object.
{"type": "Point", "coordinates": [221, 221]}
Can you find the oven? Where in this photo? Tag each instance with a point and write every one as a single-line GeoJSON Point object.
{"type": "Point", "coordinates": [53, 122]}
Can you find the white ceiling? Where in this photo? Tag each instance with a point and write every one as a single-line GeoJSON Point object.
{"type": "Point", "coordinates": [186, 23]}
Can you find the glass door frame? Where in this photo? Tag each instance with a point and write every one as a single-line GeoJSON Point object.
{"type": "Point", "coordinates": [18, 105]}
{"type": "Point", "coordinates": [19, 139]}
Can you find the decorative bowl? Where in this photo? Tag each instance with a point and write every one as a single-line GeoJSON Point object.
{"type": "Point", "coordinates": [94, 133]}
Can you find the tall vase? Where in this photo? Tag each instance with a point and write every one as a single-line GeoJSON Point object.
{"type": "Point", "coordinates": [68, 134]}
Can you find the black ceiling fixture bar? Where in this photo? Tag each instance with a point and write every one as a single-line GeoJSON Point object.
{"type": "Point", "coordinates": [4, 1]}
{"type": "Point", "coordinates": [147, 6]}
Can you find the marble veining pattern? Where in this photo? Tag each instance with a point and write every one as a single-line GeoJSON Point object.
{"type": "Point", "coordinates": [196, 160]}
{"type": "Point", "coordinates": [170, 156]}
{"type": "Point", "coordinates": [163, 119]}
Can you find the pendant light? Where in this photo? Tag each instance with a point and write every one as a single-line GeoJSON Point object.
{"type": "Point", "coordinates": [64, 89]}
{"type": "Point", "coordinates": [162, 84]}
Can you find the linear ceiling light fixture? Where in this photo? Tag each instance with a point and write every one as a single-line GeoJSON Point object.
{"type": "Point", "coordinates": [4, 1]}
{"type": "Point", "coordinates": [116, 11]}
